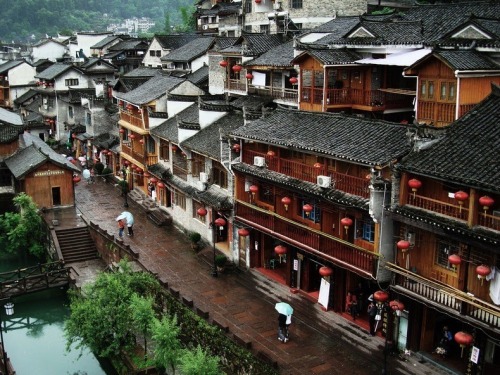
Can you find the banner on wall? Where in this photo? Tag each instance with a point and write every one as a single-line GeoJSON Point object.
{"type": "Point", "coordinates": [324, 293]}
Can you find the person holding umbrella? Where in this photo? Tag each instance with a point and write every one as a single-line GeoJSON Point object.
{"type": "Point", "coordinates": [130, 221]}
{"type": "Point", "coordinates": [284, 311]}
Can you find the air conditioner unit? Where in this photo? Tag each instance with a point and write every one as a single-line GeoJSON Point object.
{"type": "Point", "coordinates": [259, 161]}
{"type": "Point", "coordinates": [200, 185]}
{"type": "Point", "coordinates": [205, 27]}
{"type": "Point", "coordinates": [324, 181]}
{"type": "Point", "coordinates": [203, 177]}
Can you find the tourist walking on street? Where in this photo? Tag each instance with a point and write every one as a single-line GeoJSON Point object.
{"type": "Point", "coordinates": [121, 227]}
{"type": "Point", "coordinates": [282, 328]}
{"type": "Point", "coordinates": [372, 313]}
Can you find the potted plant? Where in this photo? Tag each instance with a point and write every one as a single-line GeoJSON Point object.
{"type": "Point", "coordinates": [195, 239]}
{"type": "Point", "coordinates": [220, 262]}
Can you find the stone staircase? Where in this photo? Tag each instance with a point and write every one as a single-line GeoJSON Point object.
{"type": "Point", "coordinates": [76, 244]}
{"type": "Point", "coordinates": [156, 215]}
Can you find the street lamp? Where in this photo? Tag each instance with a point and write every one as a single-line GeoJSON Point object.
{"type": "Point", "coordinates": [9, 310]}
{"type": "Point", "coordinates": [218, 223]}
{"type": "Point", "coordinates": [125, 186]}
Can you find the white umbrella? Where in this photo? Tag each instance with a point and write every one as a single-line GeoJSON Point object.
{"type": "Point", "coordinates": [82, 158]}
{"type": "Point", "coordinates": [86, 174]}
{"type": "Point", "coordinates": [69, 158]}
{"type": "Point", "coordinates": [128, 216]}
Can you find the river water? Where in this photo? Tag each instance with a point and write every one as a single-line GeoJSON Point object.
{"type": "Point", "coordinates": [34, 336]}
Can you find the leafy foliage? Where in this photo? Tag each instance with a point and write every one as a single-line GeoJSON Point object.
{"type": "Point", "coordinates": [168, 351]}
{"type": "Point", "coordinates": [198, 361]}
{"type": "Point", "coordinates": [41, 17]}
{"type": "Point", "coordinates": [22, 232]}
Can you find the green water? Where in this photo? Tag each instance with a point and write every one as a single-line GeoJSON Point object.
{"type": "Point", "coordinates": [34, 336]}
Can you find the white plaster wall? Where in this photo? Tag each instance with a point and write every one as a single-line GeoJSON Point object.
{"type": "Point", "coordinates": [199, 63]}
{"type": "Point", "coordinates": [23, 74]}
{"type": "Point", "coordinates": [154, 61]}
{"type": "Point", "coordinates": [208, 117]}
{"type": "Point", "coordinates": [85, 41]}
{"type": "Point", "coordinates": [174, 107]}
{"type": "Point", "coordinates": [50, 51]}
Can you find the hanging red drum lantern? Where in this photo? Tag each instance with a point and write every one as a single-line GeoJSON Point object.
{"type": "Point", "coordinates": [461, 197]}
{"type": "Point", "coordinates": [271, 154]}
{"type": "Point", "coordinates": [161, 185]}
{"type": "Point", "coordinates": [154, 180]}
{"type": "Point", "coordinates": [397, 306]}
{"type": "Point", "coordinates": [414, 184]}
{"type": "Point", "coordinates": [463, 339]}
{"type": "Point", "coordinates": [293, 80]}
{"type": "Point", "coordinates": [253, 189]}
{"type": "Point", "coordinates": [236, 68]}
{"type": "Point", "coordinates": [76, 179]}
{"type": "Point", "coordinates": [346, 223]}
{"type": "Point", "coordinates": [380, 296]}
{"type": "Point", "coordinates": [482, 271]}
{"type": "Point", "coordinates": [122, 131]}
{"type": "Point", "coordinates": [236, 147]}
{"type": "Point", "coordinates": [318, 165]}
{"type": "Point", "coordinates": [201, 212]}
{"type": "Point", "coordinates": [249, 76]}
{"type": "Point", "coordinates": [132, 136]}
{"type": "Point", "coordinates": [280, 250]}
{"type": "Point", "coordinates": [454, 260]}
{"type": "Point", "coordinates": [325, 271]}
{"type": "Point", "coordinates": [307, 208]}
{"type": "Point", "coordinates": [147, 174]}
{"type": "Point", "coordinates": [141, 141]}
{"type": "Point", "coordinates": [126, 162]}
{"type": "Point", "coordinates": [286, 202]}
{"type": "Point", "coordinates": [243, 232]}
{"type": "Point", "coordinates": [223, 63]}
{"type": "Point", "coordinates": [220, 222]}
{"type": "Point", "coordinates": [258, 1]}
{"type": "Point", "coordinates": [403, 245]}
{"type": "Point", "coordinates": [486, 202]}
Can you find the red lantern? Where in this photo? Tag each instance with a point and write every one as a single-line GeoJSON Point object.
{"type": "Point", "coordinates": [154, 180]}
{"type": "Point", "coordinates": [397, 306]}
{"type": "Point", "coordinates": [236, 147]}
{"type": "Point", "coordinates": [258, 1]}
{"type": "Point", "coordinates": [122, 131]}
{"type": "Point", "coordinates": [253, 189]}
{"type": "Point", "coordinates": [249, 76]}
{"type": "Point", "coordinates": [482, 271]}
{"type": "Point", "coordinates": [486, 202]}
{"type": "Point", "coordinates": [141, 141]}
{"type": "Point", "coordinates": [286, 201]}
{"type": "Point", "coordinates": [380, 296]}
{"type": "Point", "coordinates": [223, 63]}
{"type": "Point", "coordinates": [243, 232]}
{"type": "Point", "coordinates": [461, 197]}
{"type": "Point", "coordinates": [271, 154]}
{"type": "Point", "coordinates": [280, 250]}
{"type": "Point", "coordinates": [414, 184]}
{"type": "Point", "coordinates": [236, 68]}
{"type": "Point", "coordinates": [463, 339]}
{"type": "Point", "coordinates": [293, 80]}
{"type": "Point", "coordinates": [76, 179]}
{"type": "Point", "coordinates": [161, 185]}
{"type": "Point", "coordinates": [403, 245]}
{"type": "Point", "coordinates": [307, 208]}
{"type": "Point", "coordinates": [454, 260]}
{"type": "Point", "coordinates": [318, 165]}
{"type": "Point", "coordinates": [201, 211]}
{"type": "Point", "coordinates": [220, 222]}
{"type": "Point", "coordinates": [126, 162]}
{"type": "Point", "coordinates": [132, 136]}
{"type": "Point", "coordinates": [325, 271]}
{"type": "Point", "coordinates": [346, 222]}
{"type": "Point", "coordinates": [147, 175]}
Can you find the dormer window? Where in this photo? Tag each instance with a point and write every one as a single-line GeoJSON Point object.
{"type": "Point", "coordinates": [71, 82]}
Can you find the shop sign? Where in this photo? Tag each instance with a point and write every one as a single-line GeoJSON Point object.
{"type": "Point", "coordinates": [474, 356]}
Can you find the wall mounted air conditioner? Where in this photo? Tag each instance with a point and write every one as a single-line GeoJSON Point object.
{"type": "Point", "coordinates": [203, 177]}
{"type": "Point", "coordinates": [324, 181]}
{"type": "Point", "coordinates": [201, 185]}
{"type": "Point", "coordinates": [259, 161]}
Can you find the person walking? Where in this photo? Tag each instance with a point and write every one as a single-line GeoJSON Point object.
{"type": "Point", "coordinates": [287, 327]}
{"type": "Point", "coordinates": [121, 227]}
{"type": "Point", "coordinates": [372, 313]}
{"type": "Point", "coordinates": [351, 305]}
{"type": "Point", "coordinates": [282, 327]}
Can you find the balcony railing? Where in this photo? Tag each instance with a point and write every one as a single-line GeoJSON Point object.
{"type": "Point", "coordinates": [236, 85]}
{"type": "Point", "coordinates": [440, 113]}
{"type": "Point", "coordinates": [438, 207]}
{"type": "Point", "coordinates": [134, 119]}
{"type": "Point", "coordinates": [341, 252]}
{"type": "Point", "coordinates": [180, 172]}
{"type": "Point", "coordinates": [489, 221]}
{"type": "Point", "coordinates": [349, 184]}
{"type": "Point", "coordinates": [445, 296]}
{"type": "Point", "coordinates": [289, 95]}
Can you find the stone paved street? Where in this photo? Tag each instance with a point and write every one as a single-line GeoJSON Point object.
{"type": "Point", "coordinates": [321, 342]}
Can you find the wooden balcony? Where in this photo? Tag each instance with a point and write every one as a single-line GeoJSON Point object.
{"type": "Point", "coordinates": [278, 93]}
{"type": "Point", "coordinates": [180, 172]}
{"type": "Point", "coordinates": [236, 85]}
{"type": "Point", "coordinates": [446, 297]}
{"type": "Point", "coordinates": [489, 221]}
{"type": "Point", "coordinates": [349, 184]}
{"type": "Point", "coordinates": [343, 253]}
{"type": "Point", "coordinates": [134, 119]}
{"type": "Point", "coordinates": [451, 210]}
{"type": "Point", "coordinates": [440, 113]}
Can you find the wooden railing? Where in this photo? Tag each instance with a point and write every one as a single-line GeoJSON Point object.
{"type": "Point", "coordinates": [180, 172]}
{"type": "Point", "coordinates": [445, 296]}
{"type": "Point", "coordinates": [439, 207]}
{"type": "Point", "coordinates": [289, 95]}
{"type": "Point", "coordinates": [441, 113]}
{"type": "Point", "coordinates": [489, 221]}
{"type": "Point", "coordinates": [134, 119]}
{"type": "Point", "coordinates": [236, 85]}
{"type": "Point", "coordinates": [349, 184]}
{"type": "Point", "coordinates": [339, 251]}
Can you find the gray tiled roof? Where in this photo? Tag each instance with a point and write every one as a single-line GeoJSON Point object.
{"type": "Point", "coordinates": [358, 140]}
{"type": "Point", "coordinates": [142, 71]}
{"type": "Point", "coordinates": [174, 41]}
{"type": "Point", "coordinates": [469, 153]}
{"type": "Point", "coordinates": [54, 71]}
{"type": "Point", "coordinates": [254, 44]}
{"type": "Point", "coordinates": [190, 51]}
{"type": "Point", "coordinates": [222, 42]}
{"type": "Point", "coordinates": [9, 133]}
{"type": "Point", "coordinates": [154, 88]}
{"type": "Point", "coordinates": [332, 56]}
{"type": "Point", "coordinates": [8, 117]}
{"type": "Point", "coordinates": [467, 60]}
{"type": "Point", "coordinates": [26, 96]}
{"type": "Point", "coordinates": [199, 76]}
{"type": "Point", "coordinates": [280, 56]}
{"type": "Point", "coordinates": [252, 102]}
{"type": "Point", "coordinates": [168, 129]}
{"type": "Point", "coordinates": [4, 68]}
{"type": "Point", "coordinates": [337, 26]}
{"type": "Point", "coordinates": [103, 43]}
{"type": "Point", "coordinates": [207, 140]}
{"type": "Point", "coordinates": [35, 153]}
{"type": "Point", "coordinates": [130, 44]}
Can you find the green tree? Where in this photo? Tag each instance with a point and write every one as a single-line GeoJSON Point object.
{"type": "Point", "coordinates": [143, 317]}
{"type": "Point", "coordinates": [101, 314]}
{"type": "Point", "coordinates": [168, 346]}
{"type": "Point", "coordinates": [22, 232]}
{"type": "Point", "coordinates": [198, 361]}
